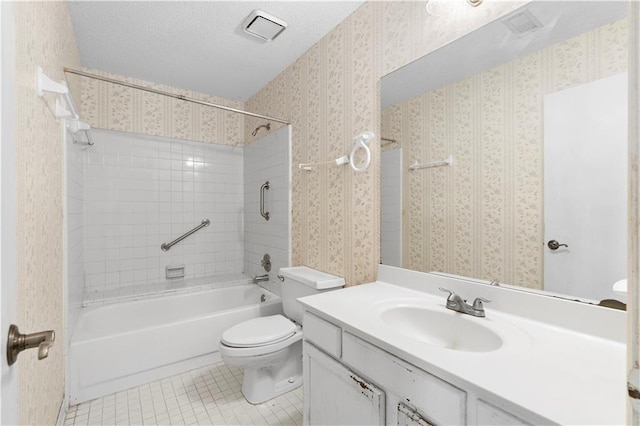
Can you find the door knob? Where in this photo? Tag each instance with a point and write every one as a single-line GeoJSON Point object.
{"type": "Point", "coordinates": [554, 245]}
{"type": "Point", "coordinates": [18, 342]}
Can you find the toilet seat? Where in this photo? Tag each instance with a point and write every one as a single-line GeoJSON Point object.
{"type": "Point", "coordinates": [231, 352]}
{"type": "Point", "coordinates": [258, 332]}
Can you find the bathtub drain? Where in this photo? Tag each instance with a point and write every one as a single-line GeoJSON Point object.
{"type": "Point", "coordinates": [263, 298]}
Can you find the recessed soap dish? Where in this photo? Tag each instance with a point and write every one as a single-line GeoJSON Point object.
{"type": "Point", "coordinates": [176, 271]}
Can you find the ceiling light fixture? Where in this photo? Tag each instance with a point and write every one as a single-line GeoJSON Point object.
{"type": "Point", "coordinates": [264, 26]}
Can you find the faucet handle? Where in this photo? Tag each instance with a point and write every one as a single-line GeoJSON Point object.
{"type": "Point", "coordinates": [453, 298]}
{"type": "Point", "coordinates": [446, 290]}
{"type": "Point", "coordinates": [477, 304]}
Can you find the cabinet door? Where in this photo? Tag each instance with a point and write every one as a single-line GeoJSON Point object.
{"type": "Point", "coordinates": [440, 402]}
{"type": "Point", "coordinates": [408, 416]}
{"type": "Point", "coordinates": [334, 395]}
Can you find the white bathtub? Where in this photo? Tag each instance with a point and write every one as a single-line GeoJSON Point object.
{"type": "Point", "coordinates": [119, 346]}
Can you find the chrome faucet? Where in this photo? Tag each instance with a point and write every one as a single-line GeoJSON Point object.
{"type": "Point", "coordinates": [458, 304]}
{"type": "Point", "coordinates": [259, 278]}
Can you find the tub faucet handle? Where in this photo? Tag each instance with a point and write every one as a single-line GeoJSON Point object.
{"type": "Point", "coordinates": [266, 262]}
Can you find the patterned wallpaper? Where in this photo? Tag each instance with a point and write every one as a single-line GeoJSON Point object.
{"type": "Point", "coordinates": [44, 37]}
{"type": "Point", "coordinates": [483, 217]}
{"type": "Point", "coordinates": [331, 94]}
{"type": "Point", "coordinates": [112, 107]}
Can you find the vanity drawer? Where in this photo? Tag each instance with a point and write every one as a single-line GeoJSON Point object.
{"type": "Point", "coordinates": [436, 400]}
{"type": "Point", "coordinates": [325, 335]}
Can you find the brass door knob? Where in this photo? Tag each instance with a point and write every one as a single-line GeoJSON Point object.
{"type": "Point", "coordinates": [18, 342]}
{"type": "Point", "coordinates": [554, 245]}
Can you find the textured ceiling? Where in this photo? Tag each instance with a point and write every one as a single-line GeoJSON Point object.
{"type": "Point", "coordinates": [199, 45]}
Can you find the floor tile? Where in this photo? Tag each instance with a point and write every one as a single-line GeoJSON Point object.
{"type": "Point", "coordinates": [206, 396]}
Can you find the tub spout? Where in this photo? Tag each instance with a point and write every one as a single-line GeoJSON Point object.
{"type": "Point", "coordinates": [259, 278]}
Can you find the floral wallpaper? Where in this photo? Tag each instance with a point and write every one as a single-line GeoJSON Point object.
{"type": "Point", "coordinates": [44, 37]}
{"type": "Point", "coordinates": [483, 217]}
{"type": "Point", "coordinates": [331, 94]}
{"type": "Point", "coordinates": [113, 107]}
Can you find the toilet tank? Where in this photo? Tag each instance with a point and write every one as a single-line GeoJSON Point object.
{"type": "Point", "coordinates": [301, 281]}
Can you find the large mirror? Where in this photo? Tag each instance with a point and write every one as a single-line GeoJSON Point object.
{"type": "Point", "coordinates": [504, 153]}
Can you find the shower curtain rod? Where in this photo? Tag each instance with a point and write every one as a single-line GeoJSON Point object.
{"type": "Point", "coordinates": [171, 95]}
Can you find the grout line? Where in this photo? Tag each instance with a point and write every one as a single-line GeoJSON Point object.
{"type": "Point", "coordinates": [191, 396]}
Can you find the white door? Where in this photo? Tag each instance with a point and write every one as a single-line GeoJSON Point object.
{"type": "Point", "coordinates": [585, 188]}
{"type": "Point", "coordinates": [9, 404]}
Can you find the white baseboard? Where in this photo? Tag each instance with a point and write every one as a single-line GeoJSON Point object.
{"type": "Point", "coordinates": [62, 414]}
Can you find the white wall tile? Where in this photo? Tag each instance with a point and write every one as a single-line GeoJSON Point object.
{"type": "Point", "coordinates": [267, 159]}
{"type": "Point", "coordinates": [141, 191]}
{"type": "Point", "coordinates": [75, 158]}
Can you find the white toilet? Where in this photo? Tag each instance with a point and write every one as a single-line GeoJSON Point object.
{"type": "Point", "coordinates": [269, 349]}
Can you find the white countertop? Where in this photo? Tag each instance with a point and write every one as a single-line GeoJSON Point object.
{"type": "Point", "coordinates": [564, 374]}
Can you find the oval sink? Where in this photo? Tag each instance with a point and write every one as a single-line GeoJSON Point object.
{"type": "Point", "coordinates": [447, 329]}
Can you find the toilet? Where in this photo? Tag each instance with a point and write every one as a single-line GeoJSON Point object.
{"type": "Point", "coordinates": [269, 349]}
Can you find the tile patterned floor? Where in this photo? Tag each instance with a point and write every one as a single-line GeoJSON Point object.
{"type": "Point", "coordinates": [206, 396]}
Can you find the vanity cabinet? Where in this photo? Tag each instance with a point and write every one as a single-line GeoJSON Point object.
{"type": "Point", "coordinates": [356, 382]}
{"type": "Point", "coordinates": [340, 396]}
{"type": "Point", "coordinates": [432, 400]}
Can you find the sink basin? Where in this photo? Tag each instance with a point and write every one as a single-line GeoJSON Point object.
{"type": "Point", "coordinates": [444, 329]}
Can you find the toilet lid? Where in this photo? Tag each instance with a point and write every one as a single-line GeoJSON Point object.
{"type": "Point", "coordinates": [259, 332]}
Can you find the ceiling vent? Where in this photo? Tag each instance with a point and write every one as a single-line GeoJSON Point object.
{"type": "Point", "coordinates": [264, 26]}
{"type": "Point", "coordinates": [522, 23]}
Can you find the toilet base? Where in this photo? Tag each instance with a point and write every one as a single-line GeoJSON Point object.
{"type": "Point", "coordinates": [264, 383]}
{"type": "Point", "coordinates": [265, 391]}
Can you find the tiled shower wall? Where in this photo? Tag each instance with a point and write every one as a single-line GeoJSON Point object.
{"type": "Point", "coordinates": [141, 191]}
{"type": "Point", "coordinates": [75, 155]}
{"type": "Point", "coordinates": [267, 160]}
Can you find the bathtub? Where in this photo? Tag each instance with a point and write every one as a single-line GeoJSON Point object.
{"type": "Point", "coordinates": [119, 346]}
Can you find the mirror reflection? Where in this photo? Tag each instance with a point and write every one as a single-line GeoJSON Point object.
{"type": "Point", "coordinates": [504, 153]}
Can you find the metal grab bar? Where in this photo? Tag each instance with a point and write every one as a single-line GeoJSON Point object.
{"type": "Point", "coordinates": [264, 187]}
{"type": "Point", "coordinates": [167, 246]}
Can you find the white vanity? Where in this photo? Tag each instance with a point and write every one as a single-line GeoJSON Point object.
{"type": "Point", "coordinates": [390, 352]}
